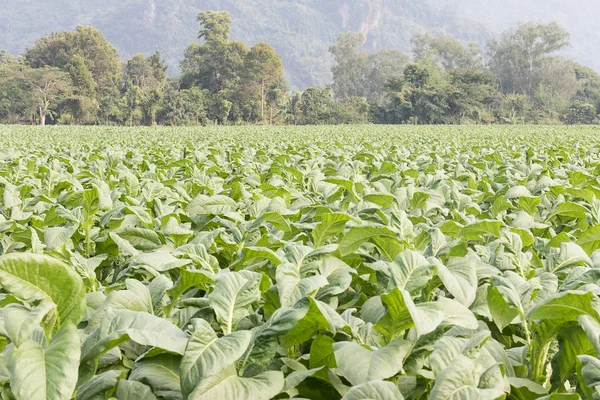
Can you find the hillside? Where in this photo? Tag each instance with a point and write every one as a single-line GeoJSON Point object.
{"type": "Point", "coordinates": [300, 30]}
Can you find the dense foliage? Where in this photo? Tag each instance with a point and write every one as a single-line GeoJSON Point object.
{"type": "Point", "coordinates": [319, 263]}
{"type": "Point", "coordinates": [76, 78]}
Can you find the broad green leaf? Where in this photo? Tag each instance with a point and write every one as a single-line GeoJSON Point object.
{"type": "Point", "coordinates": [503, 313]}
{"type": "Point", "coordinates": [292, 287]}
{"type": "Point", "coordinates": [46, 373]}
{"type": "Point", "coordinates": [227, 385]}
{"type": "Point", "coordinates": [140, 238]}
{"type": "Point", "coordinates": [567, 306]}
{"type": "Point", "coordinates": [590, 373]}
{"type": "Point", "coordinates": [20, 323]}
{"type": "Point", "coordinates": [331, 224]}
{"type": "Point", "coordinates": [478, 230]}
{"type": "Point", "coordinates": [161, 373]}
{"type": "Point", "coordinates": [374, 390]}
{"type": "Point", "coordinates": [590, 240]}
{"type": "Point", "coordinates": [96, 388]}
{"type": "Point", "coordinates": [410, 271]}
{"type": "Point", "coordinates": [571, 210]}
{"type": "Point", "coordinates": [356, 236]}
{"type": "Point", "coordinates": [381, 199]}
{"type": "Point", "coordinates": [38, 278]}
{"type": "Point", "coordinates": [132, 390]}
{"type": "Point", "coordinates": [207, 355]}
{"type": "Point", "coordinates": [161, 260]}
{"type": "Point", "coordinates": [211, 205]}
{"type": "Point", "coordinates": [460, 279]}
{"type": "Point", "coordinates": [120, 326]}
{"type": "Point", "coordinates": [234, 294]}
{"type": "Point", "coordinates": [463, 381]}
{"type": "Point", "coordinates": [360, 365]}
{"type": "Point", "coordinates": [187, 280]}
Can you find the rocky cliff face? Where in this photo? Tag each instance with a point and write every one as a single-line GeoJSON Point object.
{"type": "Point", "coordinates": [300, 30]}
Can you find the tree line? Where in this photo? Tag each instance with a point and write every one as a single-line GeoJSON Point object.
{"type": "Point", "coordinates": [76, 77]}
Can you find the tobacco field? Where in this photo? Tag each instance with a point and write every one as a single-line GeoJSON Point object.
{"type": "Point", "coordinates": [359, 262]}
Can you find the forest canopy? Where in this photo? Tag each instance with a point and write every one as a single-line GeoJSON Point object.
{"type": "Point", "coordinates": [76, 77]}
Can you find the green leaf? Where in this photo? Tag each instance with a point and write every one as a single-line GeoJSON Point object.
{"type": "Point", "coordinates": [96, 388]}
{"type": "Point", "coordinates": [571, 210]}
{"type": "Point", "coordinates": [38, 278]}
{"type": "Point", "coordinates": [161, 260]}
{"type": "Point", "coordinates": [567, 306]}
{"type": "Point", "coordinates": [211, 205]}
{"type": "Point", "coordinates": [187, 280]}
{"type": "Point", "coordinates": [227, 385]}
{"type": "Point", "coordinates": [207, 355]}
{"type": "Point", "coordinates": [374, 390]}
{"type": "Point", "coordinates": [140, 238]}
{"type": "Point", "coordinates": [46, 373]}
{"type": "Point", "coordinates": [360, 365]}
{"type": "Point", "coordinates": [321, 352]}
{"type": "Point", "coordinates": [358, 235]}
{"type": "Point", "coordinates": [590, 240]}
{"type": "Point", "coordinates": [132, 390]}
{"type": "Point", "coordinates": [318, 317]}
{"type": "Point", "coordinates": [517, 191]}
{"type": "Point", "coordinates": [502, 312]}
{"type": "Point", "coordinates": [478, 230]}
{"type": "Point", "coordinates": [292, 287]}
{"type": "Point", "coordinates": [410, 271]}
{"type": "Point", "coordinates": [20, 323]}
{"type": "Point", "coordinates": [234, 294]}
{"type": "Point", "coordinates": [381, 199]}
{"type": "Point", "coordinates": [460, 279]}
{"type": "Point", "coordinates": [462, 380]}
{"type": "Point", "coordinates": [120, 326]}
{"type": "Point", "coordinates": [590, 373]}
{"type": "Point", "coordinates": [331, 224]}
{"type": "Point", "coordinates": [161, 373]}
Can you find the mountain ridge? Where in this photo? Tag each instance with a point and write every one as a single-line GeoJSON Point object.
{"type": "Point", "coordinates": [300, 30]}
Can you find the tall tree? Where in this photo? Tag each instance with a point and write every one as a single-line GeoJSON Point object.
{"type": "Point", "coordinates": [350, 66]}
{"type": "Point", "coordinates": [263, 70]}
{"type": "Point", "coordinates": [216, 65]}
{"type": "Point", "coordinates": [81, 53]}
{"type": "Point", "coordinates": [447, 52]}
{"type": "Point", "coordinates": [47, 86]}
{"type": "Point", "coordinates": [149, 75]}
{"type": "Point", "coordinates": [358, 74]}
{"type": "Point", "coordinates": [517, 58]}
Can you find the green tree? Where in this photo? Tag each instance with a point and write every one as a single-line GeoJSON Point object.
{"type": "Point", "coordinates": [358, 74]}
{"type": "Point", "coordinates": [317, 106]}
{"type": "Point", "coordinates": [293, 108]}
{"type": "Point", "coordinates": [419, 96]}
{"type": "Point", "coordinates": [558, 84]}
{"type": "Point", "coordinates": [80, 53]}
{"type": "Point", "coordinates": [149, 75]}
{"type": "Point", "coordinates": [580, 113]}
{"type": "Point", "coordinates": [449, 53]}
{"type": "Point", "coordinates": [472, 95]}
{"type": "Point", "coordinates": [518, 57]}
{"type": "Point", "coordinates": [589, 85]}
{"type": "Point", "coordinates": [49, 86]}
{"type": "Point", "coordinates": [350, 66]}
{"type": "Point", "coordinates": [263, 72]}
{"type": "Point", "coordinates": [6, 58]}
{"type": "Point", "coordinates": [217, 66]}
{"type": "Point", "coordinates": [383, 66]}
{"type": "Point", "coordinates": [16, 98]}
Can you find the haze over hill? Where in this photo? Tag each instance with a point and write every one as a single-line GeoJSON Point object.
{"type": "Point", "coordinates": [300, 30]}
